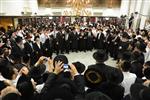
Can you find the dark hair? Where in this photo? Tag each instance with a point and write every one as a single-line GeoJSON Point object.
{"type": "Point", "coordinates": [79, 66]}
{"type": "Point", "coordinates": [36, 73]}
{"type": "Point", "coordinates": [126, 65]}
{"type": "Point", "coordinates": [45, 76]}
{"type": "Point", "coordinates": [6, 69]}
{"type": "Point", "coordinates": [36, 37]}
{"type": "Point", "coordinates": [147, 64]}
{"type": "Point", "coordinates": [126, 56]}
{"type": "Point", "coordinates": [61, 58]}
{"type": "Point", "coordinates": [115, 76]}
{"type": "Point", "coordinates": [26, 59]}
{"type": "Point", "coordinates": [147, 73]}
{"type": "Point", "coordinates": [26, 89]}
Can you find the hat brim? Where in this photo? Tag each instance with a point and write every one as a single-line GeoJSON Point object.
{"type": "Point", "coordinates": [97, 58]}
{"type": "Point", "coordinates": [93, 77]}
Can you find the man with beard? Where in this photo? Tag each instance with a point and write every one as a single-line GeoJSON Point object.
{"type": "Point", "coordinates": [67, 41]}
{"type": "Point", "coordinates": [17, 49]}
{"type": "Point", "coordinates": [28, 48]}
{"type": "Point", "coordinates": [74, 38]}
{"type": "Point", "coordinates": [100, 39]}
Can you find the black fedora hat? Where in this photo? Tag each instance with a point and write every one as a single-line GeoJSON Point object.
{"type": "Point", "coordinates": [115, 76]}
{"type": "Point", "coordinates": [93, 77]}
{"type": "Point", "coordinates": [141, 46]}
{"type": "Point", "coordinates": [100, 55]}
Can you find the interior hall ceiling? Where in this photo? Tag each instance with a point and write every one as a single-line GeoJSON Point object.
{"type": "Point", "coordinates": [93, 3]}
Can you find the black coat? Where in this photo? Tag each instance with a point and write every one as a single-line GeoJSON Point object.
{"type": "Point", "coordinates": [28, 49]}
{"type": "Point", "coordinates": [89, 43]}
{"type": "Point", "coordinates": [74, 38]}
{"type": "Point", "coordinates": [108, 43]}
{"type": "Point", "coordinates": [136, 68]}
{"type": "Point", "coordinates": [47, 48]}
{"type": "Point", "coordinates": [100, 41]}
{"type": "Point", "coordinates": [17, 52]}
{"type": "Point", "coordinates": [122, 47]}
{"type": "Point", "coordinates": [114, 91]}
{"type": "Point", "coordinates": [38, 52]}
{"type": "Point", "coordinates": [53, 81]}
{"type": "Point", "coordinates": [81, 43]}
{"type": "Point", "coordinates": [67, 42]}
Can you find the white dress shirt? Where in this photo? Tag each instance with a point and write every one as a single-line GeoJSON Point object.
{"type": "Point", "coordinates": [129, 79]}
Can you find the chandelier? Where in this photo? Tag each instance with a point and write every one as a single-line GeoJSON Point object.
{"type": "Point", "coordinates": [78, 8]}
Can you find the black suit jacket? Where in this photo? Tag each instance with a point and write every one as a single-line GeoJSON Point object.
{"type": "Point", "coordinates": [53, 80]}
{"type": "Point", "coordinates": [17, 52]}
{"type": "Point", "coordinates": [28, 49]}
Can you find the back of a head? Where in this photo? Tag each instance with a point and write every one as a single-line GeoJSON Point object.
{"type": "Point", "coordinates": [25, 87]}
{"type": "Point", "coordinates": [147, 64]}
{"type": "Point", "coordinates": [26, 59]}
{"type": "Point", "coordinates": [64, 60]}
{"type": "Point", "coordinates": [79, 66]}
{"type": "Point", "coordinates": [100, 56]}
{"type": "Point", "coordinates": [6, 69]}
{"type": "Point", "coordinates": [37, 72]}
{"type": "Point", "coordinates": [147, 73]}
{"type": "Point", "coordinates": [135, 55]}
{"type": "Point", "coordinates": [115, 76]}
{"type": "Point", "coordinates": [61, 58]}
{"type": "Point", "coordinates": [125, 66]}
{"type": "Point", "coordinates": [126, 56]}
{"type": "Point", "coordinates": [96, 96]}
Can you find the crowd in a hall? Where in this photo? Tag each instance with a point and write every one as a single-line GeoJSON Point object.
{"type": "Point", "coordinates": [28, 70]}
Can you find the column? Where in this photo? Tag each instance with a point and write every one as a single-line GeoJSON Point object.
{"type": "Point", "coordinates": [138, 7]}
{"type": "Point", "coordinates": [144, 11]}
{"type": "Point", "coordinates": [124, 9]}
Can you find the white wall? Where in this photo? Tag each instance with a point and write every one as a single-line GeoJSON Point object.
{"type": "Point", "coordinates": [111, 12]}
{"type": "Point", "coordinates": [15, 7]}
{"type": "Point", "coordinates": [11, 7]}
{"type": "Point", "coordinates": [124, 9]}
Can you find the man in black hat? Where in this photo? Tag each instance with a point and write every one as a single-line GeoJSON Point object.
{"type": "Point", "coordinates": [97, 73]}
{"type": "Point", "coordinates": [17, 49]}
{"type": "Point", "coordinates": [140, 48]}
{"type": "Point", "coordinates": [123, 45]}
{"type": "Point", "coordinates": [74, 40]}
{"type": "Point", "coordinates": [100, 39]}
{"type": "Point", "coordinates": [28, 48]}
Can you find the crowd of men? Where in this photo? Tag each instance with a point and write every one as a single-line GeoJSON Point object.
{"type": "Point", "coordinates": [28, 71]}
